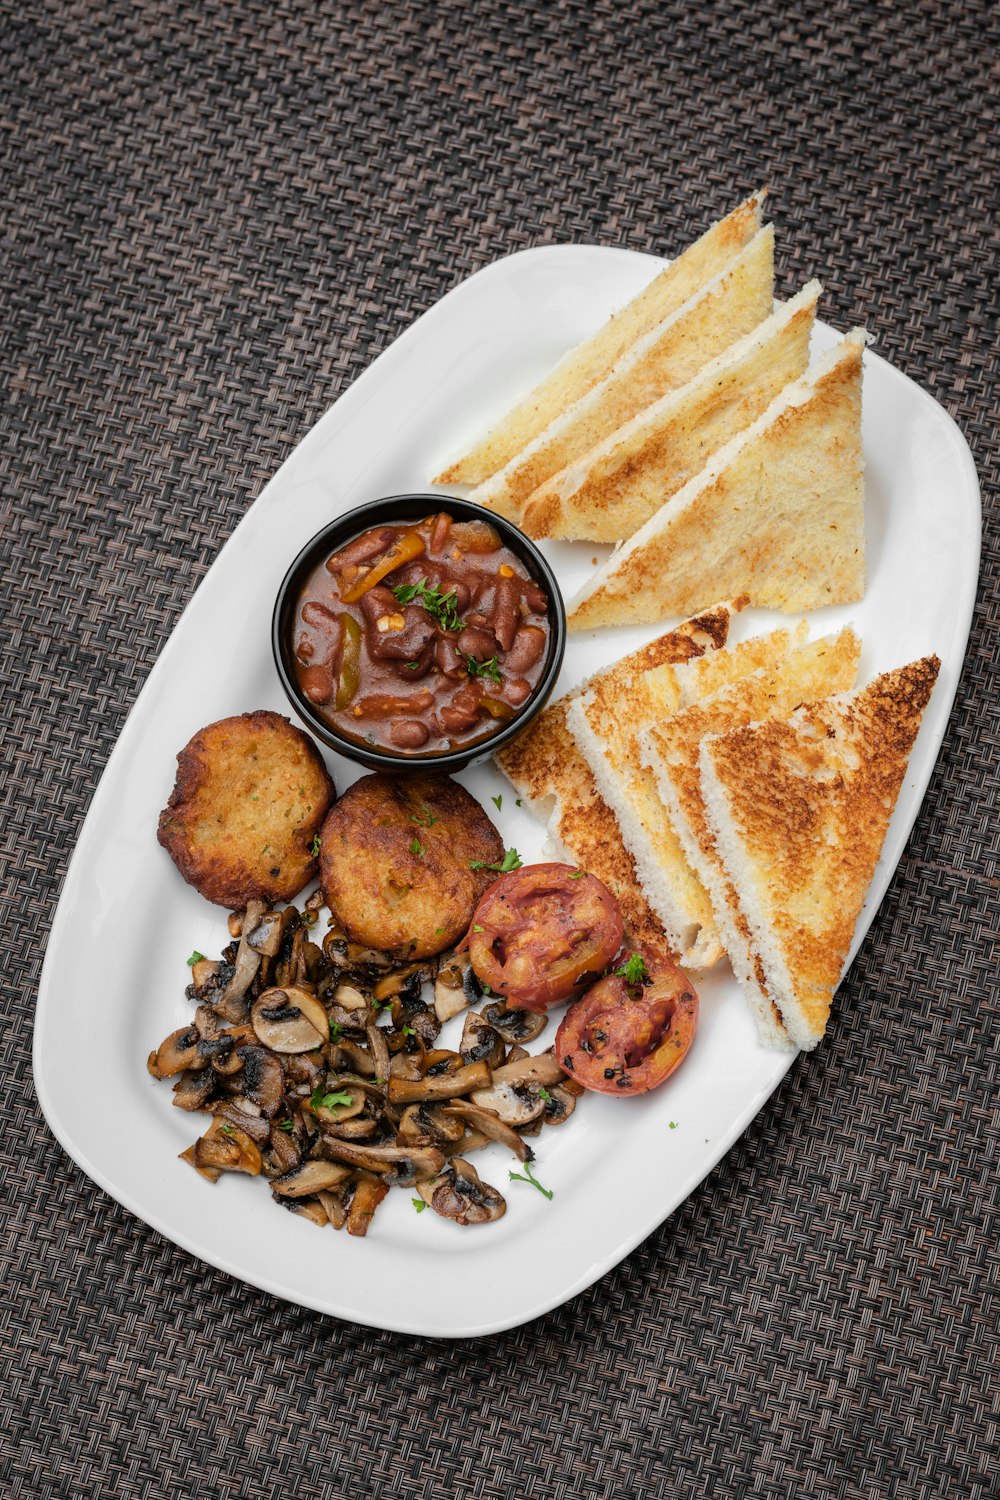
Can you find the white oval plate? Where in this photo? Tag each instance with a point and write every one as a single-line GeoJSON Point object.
{"type": "Point", "coordinates": [114, 975]}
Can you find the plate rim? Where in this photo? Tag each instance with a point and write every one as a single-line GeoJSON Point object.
{"type": "Point", "coordinates": [967, 482]}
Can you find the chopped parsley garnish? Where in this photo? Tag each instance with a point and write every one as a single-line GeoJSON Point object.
{"type": "Point", "coordinates": [286, 1125]}
{"type": "Point", "coordinates": [408, 1031]}
{"type": "Point", "coordinates": [412, 666]}
{"type": "Point", "coordinates": [195, 958]}
{"type": "Point", "coordinates": [335, 1030]}
{"type": "Point", "coordinates": [578, 874]}
{"type": "Point", "coordinates": [673, 1125]}
{"type": "Point", "coordinates": [497, 801]}
{"type": "Point", "coordinates": [490, 669]}
{"type": "Point", "coordinates": [314, 846]}
{"type": "Point", "coordinates": [476, 927]}
{"type": "Point", "coordinates": [517, 802]}
{"type": "Point", "coordinates": [228, 1130]}
{"type": "Point", "coordinates": [417, 848]}
{"type": "Point", "coordinates": [544, 1094]}
{"type": "Point", "coordinates": [423, 816]}
{"type": "Point", "coordinates": [440, 607]}
{"type": "Point", "coordinates": [418, 1204]}
{"type": "Point", "coordinates": [321, 1100]}
{"type": "Point", "coordinates": [438, 931]}
{"type": "Point", "coordinates": [510, 861]}
{"type": "Point", "coordinates": [519, 1177]}
{"type": "Point", "coordinates": [634, 970]}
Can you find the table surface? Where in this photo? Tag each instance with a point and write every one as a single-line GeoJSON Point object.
{"type": "Point", "coordinates": [215, 216]}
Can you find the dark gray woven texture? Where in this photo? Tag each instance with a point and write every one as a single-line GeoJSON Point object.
{"type": "Point", "coordinates": [214, 216]}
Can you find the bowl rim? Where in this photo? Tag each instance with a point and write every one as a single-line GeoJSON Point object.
{"type": "Point", "coordinates": [358, 519]}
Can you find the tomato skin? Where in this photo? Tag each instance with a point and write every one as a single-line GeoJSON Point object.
{"type": "Point", "coordinates": [627, 1039]}
{"type": "Point", "coordinates": [541, 933]}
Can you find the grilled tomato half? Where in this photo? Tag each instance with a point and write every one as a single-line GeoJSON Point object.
{"type": "Point", "coordinates": [542, 933]}
{"type": "Point", "coordinates": [629, 1032]}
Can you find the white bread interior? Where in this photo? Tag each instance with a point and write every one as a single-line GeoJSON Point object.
{"type": "Point", "coordinates": [777, 514]}
{"type": "Point", "coordinates": [586, 364]}
{"type": "Point", "coordinates": [612, 490]}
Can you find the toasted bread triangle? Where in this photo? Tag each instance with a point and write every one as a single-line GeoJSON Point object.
{"type": "Point", "coordinates": [799, 809]}
{"type": "Point", "coordinates": [606, 721]}
{"type": "Point", "coordinates": [610, 492]}
{"type": "Point", "coordinates": [671, 751]}
{"type": "Point", "coordinates": [548, 771]}
{"type": "Point", "coordinates": [736, 300]}
{"type": "Point", "coordinates": [777, 513]}
{"type": "Point", "coordinates": [591, 360]}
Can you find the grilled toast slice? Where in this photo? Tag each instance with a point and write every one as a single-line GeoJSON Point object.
{"type": "Point", "coordinates": [588, 363]}
{"type": "Point", "coordinates": [739, 298]}
{"type": "Point", "coordinates": [549, 773]}
{"type": "Point", "coordinates": [799, 809]}
{"type": "Point", "coordinates": [671, 750]}
{"type": "Point", "coordinates": [606, 721]}
{"type": "Point", "coordinates": [777, 514]}
{"type": "Point", "coordinates": [610, 492]}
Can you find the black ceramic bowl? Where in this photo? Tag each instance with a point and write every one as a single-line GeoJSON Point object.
{"type": "Point", "coordinates": [338, 534]}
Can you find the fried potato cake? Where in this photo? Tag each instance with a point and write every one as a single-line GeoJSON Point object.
{"type": "Point", "coordinates": [250, 795]}
{"type": "Point", "coordinates": [396, 858]}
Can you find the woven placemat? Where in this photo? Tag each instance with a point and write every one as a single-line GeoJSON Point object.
{"type": "Point", "coordinates": [214, 216]}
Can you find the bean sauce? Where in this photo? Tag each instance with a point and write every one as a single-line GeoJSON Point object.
{"type": "Point", "coordinates": [421, 637]}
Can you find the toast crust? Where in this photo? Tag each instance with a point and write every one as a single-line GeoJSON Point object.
{"type": "Point", "coordinates": [607, 722]}
{"type": "Point", "coordinates": [584, 366]}
{"type": "Point", "coordinates": [799, 809]}
{"type": "Point", "coordinates": [778, 513]}
{"type": "Point", "coordinates": [666, 357]}
{"type": "Point", "coordinates": [546, 768]}
{"type": "Point", "coordinates": [671, 752]}
{"type": "Point", "coordinates": [623, 481]}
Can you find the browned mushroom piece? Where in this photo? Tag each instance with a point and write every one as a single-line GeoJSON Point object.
{"type": "Point", "coordinates": [541, 1069]}
{"type": "Point", "coordinates": [310, 1177]}
{"type": "Point", "coordinates": [459, 1193]}
{"type": "Point", "coordinates": [348, 1054]}
{"type": "Point", "coordinates": [231, 1005]}
{"type": "Point", "coordinates": [307, 1208]}
{"type": "Point", "coordinates": [263, 1079]}
{"type": "Point", "coordinates": [515, 1025]}
{"type": "Point", "coordinates": [446, 1086]}
{"type": "Point", "coordinates": [350, 996]}
{"type": "Point", "coordinates": [203, 970]}
{"type": "Point", "coordinates": [486, 1122]}
{"type": "Point", "coordinates": [406, 1065]}
{"type": "Point", "coordinates": [221, 1054]}
{"type": "Point", "coordinates": [399, 1164]}
{"type": "Point", "coordinates": [177, 1053]}
{"type": "Point", "coordinates": [481, 1042]}
{"type": "Point", "coordinates": [379, 1049]}
{"type": "Point", "coordinates": [429, 1123]}
{"type": "Point", "coordinates": [334, 1207]}
{"type": "Point", "coordinates": [559, 1105]}
{"type": "Point", "coordinates": [455, 986]}
{"type": "Point", "coordinates": [266, 936]}
{"type": "Point", "coordinates": [284, 1151]}
{"type": "Point", "coordinates": [290, 1020]}
{"type": "Point", "coordinates": [336, 1100]}
{"type": "Point", "coordinates": [362, 1128]}
{"type": "Point", "coordinates": [211, 1174]}
{"type": "Point", "coordinates": [193, 1090]}
{"type": "Point", "coordinates": [229, 1149]}
{"type": "Point", "coordinates": [367, 1196]}
{"type": "Point", "coordinates": [515, 1107]}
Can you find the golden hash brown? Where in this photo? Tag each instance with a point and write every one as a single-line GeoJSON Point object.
{"type": "Point", "coordinates": [395, 857]}
{"type": "Point", "coordinates": [250, 795]}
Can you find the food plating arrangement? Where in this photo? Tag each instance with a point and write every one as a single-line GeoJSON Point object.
{"type": "Point", "coordinates": [706, 801]}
